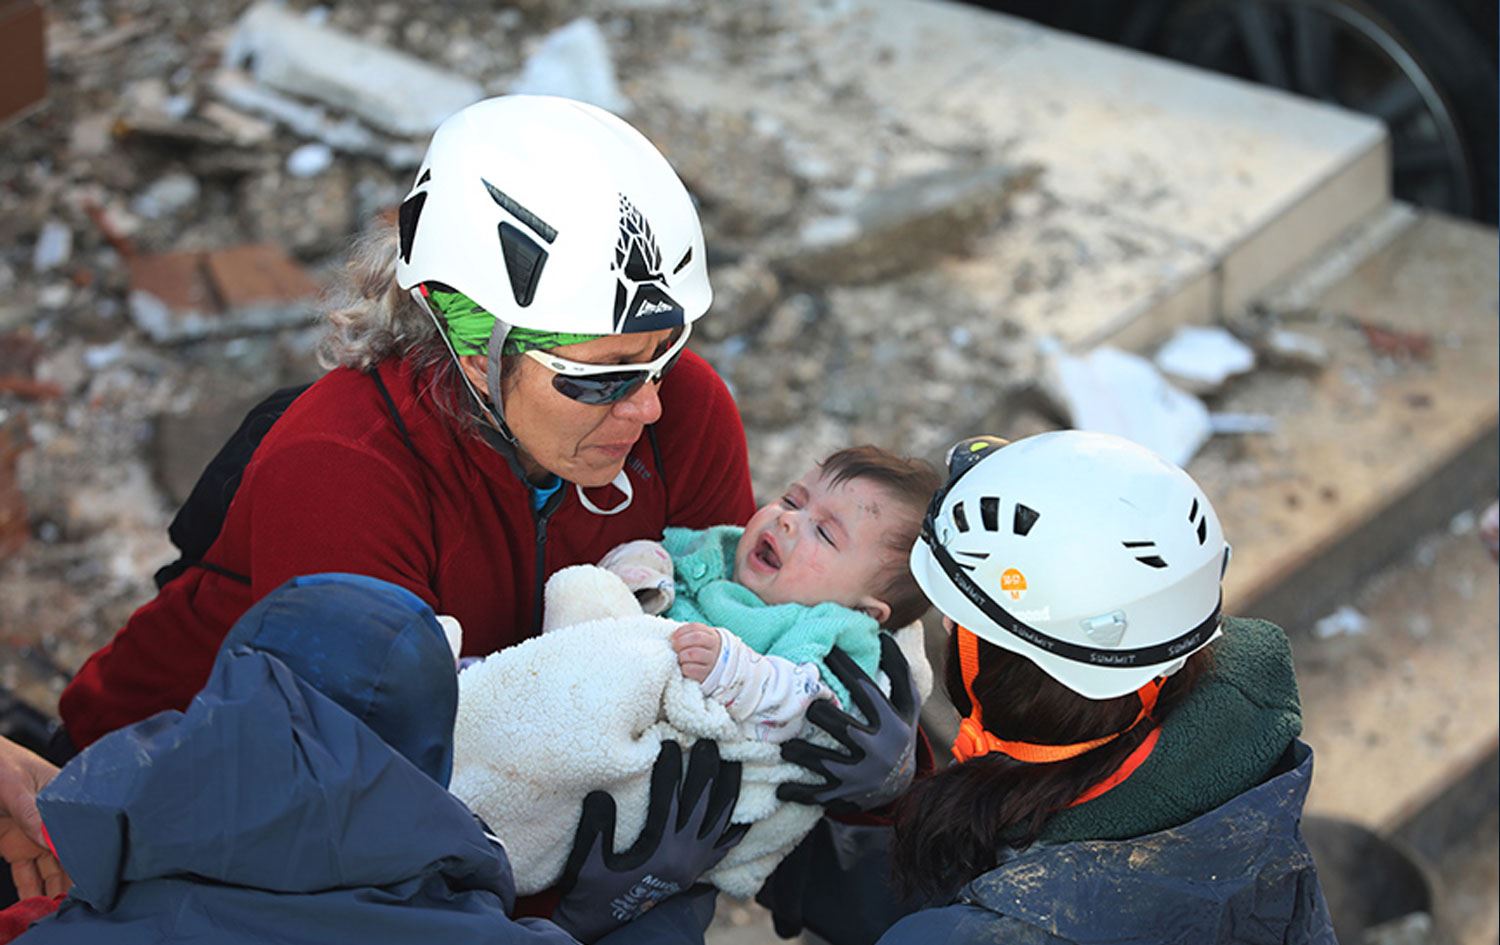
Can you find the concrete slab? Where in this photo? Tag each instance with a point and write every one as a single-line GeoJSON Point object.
{"type": "Point", "coordinates": [1223, 186]}
{"type": "Point", "coordinates": [1398, 711]}
{"type": "Point", "coordinates": [1372, 450]}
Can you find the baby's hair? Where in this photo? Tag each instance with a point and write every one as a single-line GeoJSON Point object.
{"type": "Point", "coordinates": [911, 483]}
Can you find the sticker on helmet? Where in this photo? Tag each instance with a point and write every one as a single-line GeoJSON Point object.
{"type": "Point", "coordinates": [1013, 582]}
{"type": "Point", "coordinates": [641, 299]}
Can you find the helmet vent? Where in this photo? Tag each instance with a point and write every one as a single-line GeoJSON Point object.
{"type": "Point", "coordinates": [1025, 518]}
{"type": "Point", "coordinates": [981, 555]}
{"type": "Point", "coordinates": [406, 222]}
{"type": "Point", "coordinates": [1150, 561]}
{"type": "Point", "coordinates": [989, 512]}
{"type": "Point", "coordinates": [960, 517]}
{"type": "Point", "coordinates": [524, 259]}
{"type": "Point", "coordinates": [426, 176]}
{"type": "Point", "coordinates": [1202, 522]}
{"type": "Point", "coordinates": [514, 208]}
{"type": "Point", "coordinates": [687, 257]}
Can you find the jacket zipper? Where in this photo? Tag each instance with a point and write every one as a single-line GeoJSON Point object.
{"type": "Point", "coordinates": [542, 516]}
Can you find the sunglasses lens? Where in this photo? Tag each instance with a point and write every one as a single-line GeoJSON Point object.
{"type": "Point", "coordinates": [598, 389]}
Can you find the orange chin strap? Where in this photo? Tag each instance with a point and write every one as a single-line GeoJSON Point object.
{"type": "Point", "coordinates": [973, 740]}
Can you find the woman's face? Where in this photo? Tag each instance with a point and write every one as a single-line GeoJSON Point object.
{"type": "Point", "coordinates": [583, 444]}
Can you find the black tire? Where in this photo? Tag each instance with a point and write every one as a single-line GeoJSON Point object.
{"type": "Point", "coordinates": [1429, 41]}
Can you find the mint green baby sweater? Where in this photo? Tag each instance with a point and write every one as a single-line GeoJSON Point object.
{"type": "Point", "coordinates": [703, 565]}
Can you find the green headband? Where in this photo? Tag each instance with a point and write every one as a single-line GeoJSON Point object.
{"type": "Point", "coordinates": [469, 326]}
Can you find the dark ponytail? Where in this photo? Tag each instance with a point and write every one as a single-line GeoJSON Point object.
{"type": "Point", "coordinates": [951, 826]}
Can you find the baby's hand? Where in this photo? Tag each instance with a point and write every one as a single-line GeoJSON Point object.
{"type": "Point", "coordinates": [697, 649]}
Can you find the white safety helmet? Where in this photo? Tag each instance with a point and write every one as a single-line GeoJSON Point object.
{"type": "Point", "coordinates": [1087, 554]}
{"type": "Point", "coordinates": [554, 215]}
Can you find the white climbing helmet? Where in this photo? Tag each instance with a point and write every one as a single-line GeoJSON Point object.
{"type": "Point", "coordinates": [554, 215]}
{"type": "Point", "coordinates": [1087, 554]}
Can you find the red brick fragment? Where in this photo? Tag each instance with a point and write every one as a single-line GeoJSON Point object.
{"type": "Point", "coordinates": [247, 276]}
{"type": "Point", "coordinates": [1401, 345]}
{"type": "Point", "coordinates": [178, 279]}
{"type": "Point", "coordinates": [14, 526]}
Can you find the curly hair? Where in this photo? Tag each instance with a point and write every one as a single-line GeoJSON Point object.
{"type": "Point", "coordinates": [370, 318]}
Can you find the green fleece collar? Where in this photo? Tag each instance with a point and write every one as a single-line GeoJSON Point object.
{"type": "Point", "coordinates": [1221, 741]}
{"type": "Point", "coordinates": [703, 564]}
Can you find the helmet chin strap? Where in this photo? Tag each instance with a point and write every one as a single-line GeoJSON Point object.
{"type": "Point", "coordinates": [494, 410]}
{"type": "Point", "coordinates": [621, 482]}
{"type": "Point", "coordinates": [492, 380]}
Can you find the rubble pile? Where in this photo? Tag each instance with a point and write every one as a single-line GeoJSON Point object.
{"type": "Point", "coordinates": [170, 217]}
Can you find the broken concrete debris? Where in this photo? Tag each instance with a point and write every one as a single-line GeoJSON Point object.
{"type": "Point", "coordinates": [54, 246]}
{"type": "Point", "coordinates": [1293, 350]}
{"type": "Point", "coordinates": [188, 295]}
{"type": "Point", "coordinates": [904, 227]}
{"type": "Point", "coordinates": [167, 196]}
{"type": "Point", "coordinates": [309, 160]}
{"type": "Point", "coordinates": [291, 54]}
{"type": "Point", "coordinates": [311, 121]}
{"type": "Point", "coordinates": [574, 62]}
{"type": "Point", "coordinates": [1346, 621]}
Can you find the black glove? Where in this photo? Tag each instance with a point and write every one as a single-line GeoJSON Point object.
{"type": "Point", "coordinates": [880, 755]}
{"type": "Point", "coordinates": [687, 833]}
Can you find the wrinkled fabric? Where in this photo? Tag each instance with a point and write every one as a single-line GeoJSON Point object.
{"type": "Point", "coordinates": [268, 812]}
{"type": "Point", "coordinates": [1238, 875]}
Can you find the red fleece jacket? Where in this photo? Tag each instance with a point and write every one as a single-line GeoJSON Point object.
{"type": "Point", "coordinates": [333, 488]}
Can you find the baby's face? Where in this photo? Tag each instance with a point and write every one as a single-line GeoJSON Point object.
{"type": "Point", "coordinates": [819, 543]}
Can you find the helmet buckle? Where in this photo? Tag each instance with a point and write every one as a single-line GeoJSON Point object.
{"type": "Point", "coordinates": [1106, 629]}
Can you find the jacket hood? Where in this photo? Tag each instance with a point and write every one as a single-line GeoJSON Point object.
{"type": "Point", "coordinates": [310, 761]}
{"type": "Point", "coordinates": [372, 647]}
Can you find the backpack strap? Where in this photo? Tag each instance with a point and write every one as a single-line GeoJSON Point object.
{"type": "Point", "coordinates": [198, 523]}
{"type": "Point", "coordinates": [390, 405]}
{"type": "Point", "coordinates": [200, 520]}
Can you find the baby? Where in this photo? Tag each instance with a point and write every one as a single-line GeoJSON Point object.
{"type": "Point", "coordinates": [586, 705]}
{"type": "Point", "coordinates": [822, 566]}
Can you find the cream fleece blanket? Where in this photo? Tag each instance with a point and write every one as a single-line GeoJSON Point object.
{"type": "Point", "coordinates": [585, 707]}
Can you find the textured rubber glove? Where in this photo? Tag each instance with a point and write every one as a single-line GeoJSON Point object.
{"type": "Point", "coordinates": [687, 833]}
{"type": "Point", "coordinates": [879, 756]}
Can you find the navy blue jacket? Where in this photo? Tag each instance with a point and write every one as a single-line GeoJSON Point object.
{"type": "Point", "coordinates": [299, 799]}
{"type": "Point", "coordinates": [1240, 874]}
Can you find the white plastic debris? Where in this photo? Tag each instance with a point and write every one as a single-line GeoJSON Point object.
{"type": "Point", "coordinates": [1294, 349]}
{"type": "Point", "coordinates": [573, 61]}
{"type": "Point", "coordinates": [1346, 621]}
{"type": "Point", "coordinates": [166, 196]}
{"type": "Point", "coordinates": [1240, 424]}
{"type": "Point", "coordinates": [1202, 359]}
{"type": "Point", "coordinates": [54, 246]}
{"type": "Point", "coordinates": [1112, 391]}
{"type": "Point", "coordinates": [395, 92]}
{"type": "Point", "coordinates": [309, 160]}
